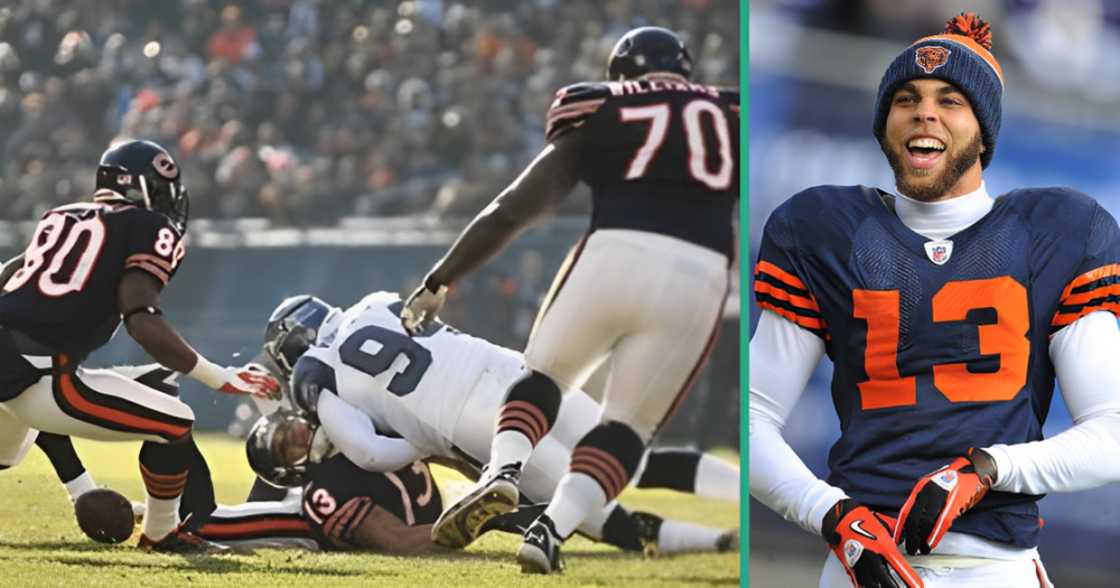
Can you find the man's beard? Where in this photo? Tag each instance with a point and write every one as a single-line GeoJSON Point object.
{"type": "Point", "coordinates": [930, 191]}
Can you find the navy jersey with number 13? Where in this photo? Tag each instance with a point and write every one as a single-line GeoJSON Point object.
{"type": "Point", "coordinates": [937, 347]}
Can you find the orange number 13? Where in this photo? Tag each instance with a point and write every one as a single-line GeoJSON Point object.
{"type": "Point", "coordinates": [1007, 338]}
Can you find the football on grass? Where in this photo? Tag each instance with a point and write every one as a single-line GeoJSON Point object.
{"type": "Point", "coordinates": [104, 515]}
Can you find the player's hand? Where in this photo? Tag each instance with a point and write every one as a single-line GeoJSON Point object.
{"type": "Point", "coordinates": [421, 307]}
{"type": "Point", "coordinates": [942, 496]}
{"type": "Point", "coordinates": [862, 543]}
{"type": "Point", "coordinates": [251, 382]}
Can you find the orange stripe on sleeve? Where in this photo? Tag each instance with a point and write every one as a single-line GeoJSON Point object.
{"type": "Point", "coordinates": [776, 292]}
{"type": "Point", "coordinates": [1063, 319]}
{"type": "Point", "coordinates": [1091, 276]}
{"type": "Point", "coordinates": [154, 259]}
{"type": "Point", "coordinates": [1086, 297]}
{"type": "Point", "coordinates": [803, 321]}
{"type": "Point", "coordinates": [785, 277]}
{"type": "Point", "coordinates": [159, 274]}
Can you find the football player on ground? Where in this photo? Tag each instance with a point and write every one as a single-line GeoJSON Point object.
{"type": "Point", "coordinates": [385, 399]}
{"type": "Point", "coordinates": [334, 504]}
{"type": "Point", "coordinates": [947, 315]}
{"type": "Point", "coordinates": [89, 267]}
{"type": "Point", "coordinates": [646, 286]}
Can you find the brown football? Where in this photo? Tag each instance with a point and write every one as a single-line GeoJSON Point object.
{"type": "Point", "coordinates": [104, 515]}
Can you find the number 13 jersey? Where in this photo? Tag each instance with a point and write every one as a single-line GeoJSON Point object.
{"type": "Point", "coordinates": [937, 346]}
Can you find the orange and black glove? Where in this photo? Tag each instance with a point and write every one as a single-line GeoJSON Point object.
{"type": "Point", "coordinates": [862, 542]}
{"type": "Point", "coordinates": [940, 497]}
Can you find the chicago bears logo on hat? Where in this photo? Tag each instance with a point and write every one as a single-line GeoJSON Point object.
{"type": "Point", "coordinates": [931, 57]}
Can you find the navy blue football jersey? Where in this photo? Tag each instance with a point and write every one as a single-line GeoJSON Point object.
{"type": "Point", "coordinates": [65, 294]}
{"type": "Point", "coordinates": [937, 347]}
{"type": "Point", "coordinates": [410, 493]}
{"type": "Point", "coordinates": [660, 155]}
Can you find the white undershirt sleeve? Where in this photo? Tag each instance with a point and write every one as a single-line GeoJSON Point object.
{"type": "Point", "coordinates": [352, 432]}
{"type": "Point", "coordinates": [1087, 454]}
{"type": "Point", "coordinates": [783, 357]}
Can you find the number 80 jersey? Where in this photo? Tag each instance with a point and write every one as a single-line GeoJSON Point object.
{"type": "Point", "coordinates": [415, 387]}
{"type": "Point", "coordinates": [937, 346]}
{"type": "Point", "coordinates": [65, 294]}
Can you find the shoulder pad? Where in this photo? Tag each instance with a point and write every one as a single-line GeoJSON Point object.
{"type": "Point", "coordinates": [309, 378]}
{"type": "Point", "coordinates": [573, 105]}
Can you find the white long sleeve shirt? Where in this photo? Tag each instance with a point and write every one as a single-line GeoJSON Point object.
{"type": "Point", "coordinates": [784, 355]}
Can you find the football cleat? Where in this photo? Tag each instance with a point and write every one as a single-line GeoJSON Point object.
{"type": "Point", "coordinates": [540, 550]}
{"type": "Point", "coordinates": [728, 541]}
{"type": "Point", "coordinates": [183, 543]}
{"type": "Point", "coordinates": [649, 529]}
{"type": "Point", "coordinates": [494, 495]}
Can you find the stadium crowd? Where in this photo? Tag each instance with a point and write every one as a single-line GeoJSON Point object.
{"type": "Point", "coordinates": [303, 111]}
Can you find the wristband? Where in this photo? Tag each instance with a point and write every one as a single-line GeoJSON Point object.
{"type": "Point", "coordinates": [208, 373]}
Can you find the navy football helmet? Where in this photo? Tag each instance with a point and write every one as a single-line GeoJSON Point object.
{"type": "Point", "coordinates": [279, 448]}
{"type": "Point", "coordinates": [293, 328]}
{"type": "Point", "coordinates": [144, 173]}
{"type": "Point", "coordinates": [646, 50]}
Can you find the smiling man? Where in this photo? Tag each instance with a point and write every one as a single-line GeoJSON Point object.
{"type": "Point", "coordinates": [947, 314]}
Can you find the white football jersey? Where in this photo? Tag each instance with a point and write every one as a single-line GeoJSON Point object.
{"type": "Point", "coordinates": [417, 386]}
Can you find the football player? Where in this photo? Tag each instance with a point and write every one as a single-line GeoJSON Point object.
{"type": "Point", "coordinates": [947, 315]}
{"type": "Point", "coordinates": [89, 267]}
{"type": "Point", "coordinates": [646, 286]}
{"type": "Point", "coordinates": [385, 399]}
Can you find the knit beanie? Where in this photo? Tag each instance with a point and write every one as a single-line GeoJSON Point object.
{"type": "Point", "coordinates": [961, 56]}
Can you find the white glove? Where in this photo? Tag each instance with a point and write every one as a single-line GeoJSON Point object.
{"type": "Point", "coordinates": [233, 380]}
{"type": "Point", "coordinates": [421, 307]}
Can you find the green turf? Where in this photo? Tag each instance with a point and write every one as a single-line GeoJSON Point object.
{"type": "Point", "coordinates": [41, 545]}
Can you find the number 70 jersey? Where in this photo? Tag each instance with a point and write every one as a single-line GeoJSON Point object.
{"type": "Point", "coordinates": [415, 387]}
{"type": "Point", "coordinates": [937, 346]}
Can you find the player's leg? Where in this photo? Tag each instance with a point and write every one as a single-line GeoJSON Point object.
{"type": "Point", "coordinates": [16, 439]}
{"type": "Point", "coordinates": [691, 471]}
{"type": "Point", "coordinates": [651, 370]}
{"type": "Point", "coordinates": [104, 405]}
{"type": "Point", "coordinates": [265, 524]}
{"type": "Point", "coordinates": [570, 340]}
{"type": "Point", "coordinates": [572, 336]}
{"type": "Point", "coordinates": [66, 463]}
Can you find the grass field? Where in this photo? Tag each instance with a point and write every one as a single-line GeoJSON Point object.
{"type": "Point", "coordinates": [41, 545]}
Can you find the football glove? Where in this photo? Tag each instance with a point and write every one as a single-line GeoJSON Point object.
{"type": "Point", "coordinates": [862, 543]}
{"type": "Point", "coordinates": [940, 497]}
{"type": "Point", "coordinates": [248, 381]}
{"type": "Point", "coordinates": [421, 307]}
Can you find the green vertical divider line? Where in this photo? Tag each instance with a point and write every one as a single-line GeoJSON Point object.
{"type": "Point", "coordinates": [744, 292]}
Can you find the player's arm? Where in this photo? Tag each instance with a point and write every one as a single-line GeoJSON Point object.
{"type": "Point", "coordinates": [382, 531]}
{"type": "Point", "coordinates": [543, 184]}
{"type": "Point", "coordinates": [352, 432]}
{"type": "Point", "coordinates": [138, 297]}
{"type": "Point", "coordinates": [9, 268]}
{"type": "Point", "coordinates": [783, 357]}
{"type": "Point", "coordinates": [1087, 454]}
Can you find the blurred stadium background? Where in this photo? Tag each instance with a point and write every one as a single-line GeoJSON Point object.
{"type": "Point", "coordinates": [814, 68]}
{"type": "Point", "coordinates": [330, 147]}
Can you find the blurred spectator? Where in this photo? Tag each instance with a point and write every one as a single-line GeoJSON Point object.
{"type": "Point", "coordinates": [304, 111]}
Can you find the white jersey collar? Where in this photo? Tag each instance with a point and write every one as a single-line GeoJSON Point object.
{"type": "Point", "coordinates": [940, 220]}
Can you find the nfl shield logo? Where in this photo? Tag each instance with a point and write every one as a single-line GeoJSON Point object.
{"type": "Point", "coordinates": [939, 252]}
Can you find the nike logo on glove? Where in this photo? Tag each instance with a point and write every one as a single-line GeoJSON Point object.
{"type": "Point", "coordinates": [857, 526]}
